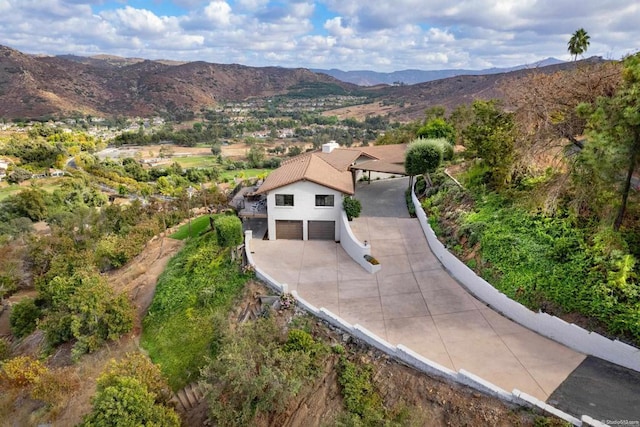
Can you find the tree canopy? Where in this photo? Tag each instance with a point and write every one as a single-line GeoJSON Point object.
{"type": "Point", "coordinates": [579, 43]}
{"type": "Point", "coordinates": [614, 137]}
{"type": "Point", "coordinates": [423, 157]}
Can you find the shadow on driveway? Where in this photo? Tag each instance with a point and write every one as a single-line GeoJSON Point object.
{"type": "Point", "coordinates": [384, 198]}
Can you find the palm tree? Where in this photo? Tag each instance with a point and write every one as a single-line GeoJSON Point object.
{"type": "Point", "coordinates": [579, 43]}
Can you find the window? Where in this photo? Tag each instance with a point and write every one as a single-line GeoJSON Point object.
{"type": "Point", "coordinates": [284, 199]}
{"type": "Point", "coordinates": [324, 199]}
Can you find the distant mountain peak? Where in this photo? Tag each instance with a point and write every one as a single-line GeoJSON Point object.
{"type": "Point", "coordinates": [414, 76]}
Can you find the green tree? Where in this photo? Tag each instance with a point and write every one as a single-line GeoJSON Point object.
{"type": "Point", "coordinates": [140, 367]}
{"type": "Point", "coordinates": [614, 136]}
{"type": "Point", "coordinates": [438, 128]}
{"type": "Point", "coordinates": [579, 43]}
{"type": "Point", "coordinates": [255, 156]}
{"type": "Point", "coordinates": [17, 175]}
{"type": "Point", "coordinates": [85, 308]}
{"type": "Point", "coordinates": [352, 207]}
{"type": "Point", "coordinates": [30, 203]}
{"type": "Point", "coordinates": [24, 316]}
{"type": "Point", "coordinates": [491, 138]}
{"type": "Point", "coordinates": [423, 156]}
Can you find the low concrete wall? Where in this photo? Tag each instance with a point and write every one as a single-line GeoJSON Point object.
{"type": "Point", "coordinates": [270, 281]}
{"type": "Point", "coordinates": [409, 357]}
{"type": "Point", "coordinates": [552, 327]}
{"type": "Point", "coordinates": [354, 247]}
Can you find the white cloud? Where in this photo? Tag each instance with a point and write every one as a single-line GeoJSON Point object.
{"type": "Point", "coordinates": [133, 21]}
{"type": "Point", "coordinates": [218, 12]}
{"type": "Point", "coordinates": [334, 27]}
{"type": "Point", "coordinates": [354, 34]}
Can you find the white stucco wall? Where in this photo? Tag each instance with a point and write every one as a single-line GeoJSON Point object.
{"type": "Point", "coordinates": [304, 206]}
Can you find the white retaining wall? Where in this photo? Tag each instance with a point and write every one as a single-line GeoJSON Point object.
{"type": "Point", "coordinates": [552, 327]}
{"type": "Point", "coordinates": [409, 357]}
{"type": "Point", "coordinates": [354, 247]}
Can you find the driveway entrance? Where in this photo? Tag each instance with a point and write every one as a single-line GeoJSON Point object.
{"type": "Point", "coordinates": [384, 198]}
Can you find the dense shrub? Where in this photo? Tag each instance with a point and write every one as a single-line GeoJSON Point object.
{"type": "Point", "coordinates": [546, 262]}
{"type": "Point", "coordinates": [21, 371]}
{"type": "Point", "coordinates": [24, 316]}
{"type": "Point", "coordinates": [140, 367]}
{"type": "Point", "coordinates": [228, 230]}
{"type": "Point", "coordinates": [358, 391]}
{"type": "Point", "coordinates": [352, 207]}
{"type": "Point", "coordinates": [85, 308]}
{"type": "Point", "coordinates": [276, 376]}
{"type": "Point", "coordinates": [125, 401]}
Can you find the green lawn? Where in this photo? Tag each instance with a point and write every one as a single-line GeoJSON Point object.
{"type": "Point", "coordinates": [7, 190]}
{"type": "Point", "coordinates": [196, 161]}
{"type": "Point", "coordinates": [244, 173]}
{"type": "Point", "coordinates": [198, 225]}
{"type": "Point", "coordinates": [49, 185]}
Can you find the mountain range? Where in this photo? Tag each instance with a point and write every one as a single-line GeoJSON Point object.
{"type": "Point", "coordinates": [49, 86]}
{"type": "Point", "coordinates": [410, 77]}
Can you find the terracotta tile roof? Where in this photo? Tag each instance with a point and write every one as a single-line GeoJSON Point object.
{"type": "Point", "coordinates": [308, 167]}
{"type": "Point", "coordinates": [341, 158]}
{"type": "Point", "coordinates": [386, 153]}
{"type": "Point", "coordinates": [333, 169]}
{"type": "Point", "coordinates": [381, 166]}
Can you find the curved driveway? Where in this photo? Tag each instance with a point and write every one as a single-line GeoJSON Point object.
{"type": "Point", "coordinates": [413, 301]}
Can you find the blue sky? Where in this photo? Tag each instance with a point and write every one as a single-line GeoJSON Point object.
{"type": "Point", "coordinates": [345, 34]}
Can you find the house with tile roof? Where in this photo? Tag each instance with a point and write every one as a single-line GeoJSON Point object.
{"type": "Point", "coordinates": [304, 195]}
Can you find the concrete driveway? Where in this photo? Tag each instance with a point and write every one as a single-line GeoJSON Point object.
{"type": "Point", "coordinates": [384, 198]}
{"type": "Point", "coordinates": [414, 302]}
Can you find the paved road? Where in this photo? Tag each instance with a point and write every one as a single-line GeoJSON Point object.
{"type": "Point", "coordinates": [605, 391]}
{"type": "Point", "coordinates": [384, 198]}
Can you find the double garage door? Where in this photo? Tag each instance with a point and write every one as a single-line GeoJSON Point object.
{"type": "Point", "coordinates": [318, 230]}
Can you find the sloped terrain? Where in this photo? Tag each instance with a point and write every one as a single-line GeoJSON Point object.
{"type": "Point", "coordinates": [33, 87]}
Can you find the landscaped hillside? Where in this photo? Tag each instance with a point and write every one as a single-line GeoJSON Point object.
{"type": "Point", "coordinates": [548, 207]}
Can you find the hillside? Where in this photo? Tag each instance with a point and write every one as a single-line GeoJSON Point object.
{"type": "Point", "coordinates": [34, 87]}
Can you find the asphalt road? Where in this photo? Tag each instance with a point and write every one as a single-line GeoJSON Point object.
{"type": "Point", "coordinates": [384, 198]}
{"type": "Point", "coordinates": [602, 390]}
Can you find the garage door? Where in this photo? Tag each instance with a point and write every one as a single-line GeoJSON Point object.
{"type": "Point", "coordinates": [286, 229]}
{"type": "Point", "coordinates": [322, 230]}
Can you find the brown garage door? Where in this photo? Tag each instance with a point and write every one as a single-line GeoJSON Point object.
{"type": "Point", "coordinates": [322, 230]}
{"type": "Point", "coordinates": [287, 229]}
